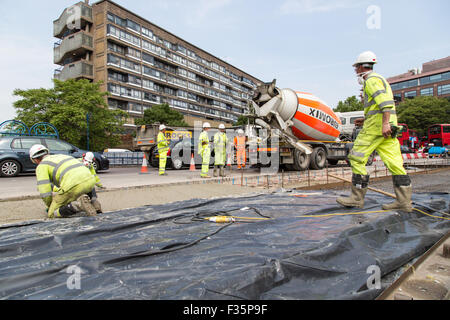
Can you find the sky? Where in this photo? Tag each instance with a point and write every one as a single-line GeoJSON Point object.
{"type": "Point", "coordinates": [307, 45]}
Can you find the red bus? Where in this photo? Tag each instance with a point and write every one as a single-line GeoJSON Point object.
{"type": "Point", "coordinates": [439, 135]}
{"type": "Point", "coordinates": [408, 137]}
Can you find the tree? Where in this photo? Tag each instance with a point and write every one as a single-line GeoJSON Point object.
{"type": "Point", "coordinates": [163, 114]}
{"type": "Point", "coordinates": [423, 111]}
{"type": "Point", "coordinates": [350, 104]}
{"type": "Point", "coordinates": [242, 121]}
{"type": "Point", "coordinates": [66, 107]}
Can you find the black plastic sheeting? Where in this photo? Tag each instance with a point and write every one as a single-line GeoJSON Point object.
{"type": "Point", "coordinates": [167, 252]}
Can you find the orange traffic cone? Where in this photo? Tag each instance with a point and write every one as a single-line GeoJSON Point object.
{"type": "Point", "coordinates": [144, 168]}
{"type": "Point", "coordinates": [192, 168]}
{"type": "Point", "coordinates": [229, 161]}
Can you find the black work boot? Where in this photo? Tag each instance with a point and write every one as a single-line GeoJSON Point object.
{"type": "Point", "coordinates": [358, 192]}
{"type": "Point", "coordinates": [403, 191]}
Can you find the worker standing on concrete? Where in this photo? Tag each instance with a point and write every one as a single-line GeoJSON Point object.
{"type": "Point", "coordinates": [163, 149]}
{"type": "Point", "coordinates": [378, 133]}
{"type": "Point", "coordinates": [239, 144]}
{"type": "Point", "coordinates": [73, 181]}
{"type": "Point", "coordinates": [204, 150]}
{"type": "Point", "coordinates": [88, 160]}
{"type": "Point", "coordinates": [220, 151]}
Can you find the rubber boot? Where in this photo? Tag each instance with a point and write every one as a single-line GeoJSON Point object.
{"type": "Point", "coordinates": [97, 205]}
{"type": "Point", "coordinates": [86, 205]}
{"type": "Point", "coordinates": [222, 171]}
{"type": "Point", "coordinates": [215, 171]}
{"type": "Point", "coordinates": [358, 192]}
{"type": "Point", "coordinates": [68, 210]}
{"type": "Point", "coordinates": [403, 192]}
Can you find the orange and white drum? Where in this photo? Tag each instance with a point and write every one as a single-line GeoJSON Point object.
{"type": "Point", "coordinates": [314, 120]}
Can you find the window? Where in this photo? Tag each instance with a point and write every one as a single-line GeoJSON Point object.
{"type": "Point", "coordinates": [148, 58]}
{"type": "Point", "coordinates": [55, 145]}
{"type": "Point", "coordinates": [134, 79]}
{"type": "Point", "coordinates": [343, 121]}
{"type": "Point", "coordinates": [134, 53]}
{"type": "Point", "coordinates": [397, 97]}
{"type": "Point", "coordinates": [115, 19]}
{"type": "Point", "coordinates": [445, 89]}
{"type": "Point", "coordinates": [148, 33]}
{"type": "Point", "coordinates": [435, 130]}
{"type": "Point", "coordinates": [27, 143]}
{"type": "Point", "coordinates": [435, 78]}
{"type": "Point", "coordinates": [123, 35]}
{"type": "Point", "coordinates": [410, 94]}
{"type": "Point", "coordinates": [123, 105]}
{"type": "Point", "coordinates": [135, 107]}
{"type": "Point", "coordinates": [116, 48]}
{"type": "Point", "coordinates": [446, 129]}
{"type": "Point", "coordinates": [426, 91]}
{"type": "Point", "coordinates": [133, 25]}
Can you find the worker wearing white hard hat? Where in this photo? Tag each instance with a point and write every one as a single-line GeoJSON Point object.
{"type": "Point", "coordinates": [163, 149]}
{"type": "Point", "coordinates": [72, 181]}
{"type": "Point", "coordinates": [377, 134]}
{"type": "Point", "coordinates": [239, 144]}
{"type": "Point", "coordinates": [204, 150]}
{"type": "Point", "coordinates": [88, 160]}
{"type": "Point", "coordinates": [220, 151]}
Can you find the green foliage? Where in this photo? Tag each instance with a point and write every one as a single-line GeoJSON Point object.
{"type": "Point", "coordinates": [163, 114]}
{"type": "Point", "coordinates": [66, 105]}
{"type": "Point", "coordinates": [423, 111]}
{"type": "Point", "coordinates": [242, 121]}
{"type": "Point", "coordinates": [350, 104]}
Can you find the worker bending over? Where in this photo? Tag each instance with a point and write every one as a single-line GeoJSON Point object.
{"type": "Point", "coordinates": [73, 181]}
{"type": "Point", "coordinates": [163, 149]}
{"type": "Point", "coordinates": [220, 151]}
{"type": "Point", "coordinates": [204, 150]}
{"type": "Point", "coordinates": [378, 133]}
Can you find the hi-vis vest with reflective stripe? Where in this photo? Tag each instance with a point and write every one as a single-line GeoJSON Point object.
{"type": "Point", "coordinates": [163, 143]}
{"type": "Point", "coordinates": [203, 142]}
{"type": "Point", "coordinates": [93, 172]}
{"type": "Point", "coordinates": [62, 171]}
{"type": "Point", "coordinates": [378, 98]}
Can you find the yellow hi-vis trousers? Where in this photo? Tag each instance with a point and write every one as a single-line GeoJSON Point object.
{"type": "Point", "coordinates": [64, 198]}
{"type": "Point", "coordinates": [162, 162]}
{"type": "Point", "coordinates": [387, 148]}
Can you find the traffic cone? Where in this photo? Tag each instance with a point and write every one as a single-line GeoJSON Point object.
{"type": "Point", "coordinates": [192, 168]}
{"type": "Point", "coordinates": [229, 161]}
{"type": "Point", "coordinates": [144, 168]}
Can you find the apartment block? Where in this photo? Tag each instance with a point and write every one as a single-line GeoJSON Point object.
{"type": "Point", "coordinates": [141, 65]}
{"type": "Point", "coordinates": [432, 80]}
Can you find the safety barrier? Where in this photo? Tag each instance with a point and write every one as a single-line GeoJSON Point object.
{"type": "Point", "coordinates": [129, 159]}
{"type": "Point", "coordinates": [408, 156]}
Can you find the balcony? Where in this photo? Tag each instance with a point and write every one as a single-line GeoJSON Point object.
{"type": "Point", "coordinates": [74, 17]}
{"type": "Point", "coordinates": [76, 70]}
{"type": "Point", "coordinates": [74, 45]}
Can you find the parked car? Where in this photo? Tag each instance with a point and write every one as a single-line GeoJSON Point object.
{"type": "Point", "coordinates": [15, 159]}
{"type": "Point", "coordinates": [116, 150]}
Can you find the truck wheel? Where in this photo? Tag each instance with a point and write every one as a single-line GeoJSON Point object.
{"type": "Point", "coordinates": [301, 160]}
{"type": "Point", "coordinates": [177, 163]}
{"type": "Point", "coordinates": [9, 168]}
{"type": "Point", "coordinates": [318, 158]}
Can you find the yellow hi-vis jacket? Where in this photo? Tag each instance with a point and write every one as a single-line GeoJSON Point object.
{"type": "Point", "coordinates": [163, 143]}
{"type": "Point", "coordinates": [93, 172]}
{"type": "Point", "coordinates": [203, 143]}
{"type": "Point", "coordinates": [378, 98]}
{"type": "Point", "coordinates": [62, 171]}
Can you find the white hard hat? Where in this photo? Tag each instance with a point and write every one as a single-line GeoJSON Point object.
{"type": "Point", "coordinates": [206, 125]}
{"type": "Point", "coordinates": [38, 150]}
{"type": "Point", "coordinates": [366, 57]}
{"type": "Point", "coordinates": [162, 127]}
{"type": "Point", "coordinates": [221, 126]}
{"type": "Point", "coordinates": [89, 157]}
{"type": "Point", "coordinates": [240, 132]}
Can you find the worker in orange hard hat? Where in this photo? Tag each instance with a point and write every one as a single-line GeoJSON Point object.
{"type": "Point", "coordinates": [239, 144]}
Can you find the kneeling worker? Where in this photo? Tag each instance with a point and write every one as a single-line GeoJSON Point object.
{"type": "Point", "coordinates": [70, 177]}
{"type": "Point", "coordinates": [376, 134]}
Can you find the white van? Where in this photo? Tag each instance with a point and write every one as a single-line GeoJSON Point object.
{"type": "Point", "coordinates": [348, 121]}
{"type": "Point", "coordinates": [116, 150]}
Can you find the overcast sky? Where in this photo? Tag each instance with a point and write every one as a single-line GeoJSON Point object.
{"type": "Point", "coordinates": [307, 45]}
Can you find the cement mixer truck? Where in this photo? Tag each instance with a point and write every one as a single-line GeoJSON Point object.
{"type": "Point", "coordinates": [307, 128]}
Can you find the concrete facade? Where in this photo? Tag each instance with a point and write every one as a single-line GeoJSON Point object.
{"type": "Point", "coordinates": [141, 64]}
